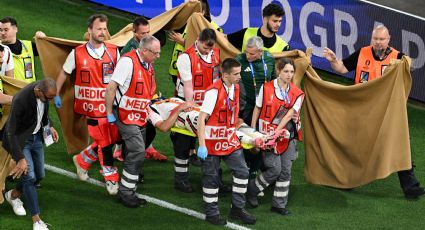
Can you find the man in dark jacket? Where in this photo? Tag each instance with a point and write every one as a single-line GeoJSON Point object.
{"type": "Point", "coordinates": [27, 126]}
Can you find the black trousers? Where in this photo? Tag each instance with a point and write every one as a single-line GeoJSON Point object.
{"type": "Point", "coordinates": [408, 179]}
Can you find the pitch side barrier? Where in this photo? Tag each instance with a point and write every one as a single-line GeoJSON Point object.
{"type": "Point", "coordinates": [342, 25]}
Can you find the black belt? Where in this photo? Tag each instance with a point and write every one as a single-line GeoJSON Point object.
{"type": "Point", "coordinates": [92, 122]}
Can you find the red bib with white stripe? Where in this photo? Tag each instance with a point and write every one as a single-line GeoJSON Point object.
{"type": "Point", "coordinates": [220, 129]}
{"type": "Point", "coordinates": [133, 105]}
{"type": "Point", "coordinates": [92, 75]}
{"type": "Point", "coordinates": [274, 110]}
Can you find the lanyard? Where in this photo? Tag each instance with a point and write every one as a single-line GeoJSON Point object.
{"type": "Point", "coordinates": [227, 95]}
{"type": "Point", "coordinates": [98, 56]}
{"type": "Point", "coordinates": [253, 73]}
{"type": "Point", "coordinates": [25, 47]}
{"type": "Point", "coordinates": [144, 64]}
{"type": "Point", "coordinates": [26, 50]}
{"type": "Point", "coordinates": [284, 95]}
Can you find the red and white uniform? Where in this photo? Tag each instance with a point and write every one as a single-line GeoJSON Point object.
{"type": "Point", "coordinates": [93, 71]}
{"type": "Point", "coordinates": [203, 70]}
{"type": "Point", "coordinates": [220, 129]}
{"type": "Point", "coordinates": [92, 77]}
{"type": "Point", "coordinates": [274, 108]}
{"type": "Point", "coordinates": [133, 104]}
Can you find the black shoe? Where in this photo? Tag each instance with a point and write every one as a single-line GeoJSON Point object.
{"type": "Point", "coordinates": [216, 220]}
{"type": "Point", "coordinates": [414, 193]}
{"type": "Point", "coordinates": [281, 211]}
{"type": "Point", "coordinates": [185, 187]}
{"type": "Point", "coordinates": [243, 215]}
{"type": "Point", "coordinates": [251, 200]}
{"type": "Point", "coordinates": [131, 200]}
{"type": "Point", "coordinates": [194, 160]}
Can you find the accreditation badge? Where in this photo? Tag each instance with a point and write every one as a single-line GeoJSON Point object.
{"type": "Point", "coordinates": [108, 70]}
{"type": "Point", "coordinates": [28, 67]}
{"type": "Point", "coordinates": [47, 136]}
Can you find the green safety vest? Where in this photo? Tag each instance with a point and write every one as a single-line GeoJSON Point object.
{"type": "Point", "coordinates": [24, 63]}
{"type": "Point", "coordinates": [178, 49]}
{"type": "Point", "coordinates": [276, 48]}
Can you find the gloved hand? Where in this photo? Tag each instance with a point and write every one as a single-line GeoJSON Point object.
{"type": "Point", "coordinates": [202, 152]}
{"type": "Point", "coordinates": [111, 118]}
{"type": "Point", "coordinates": [58, 101]}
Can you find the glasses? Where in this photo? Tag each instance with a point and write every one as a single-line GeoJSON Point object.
{"type": "Point", "coordinates": [153, 52]}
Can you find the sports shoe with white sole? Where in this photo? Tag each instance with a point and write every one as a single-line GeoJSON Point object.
{"type": "Point", "coordinates": [16, 204]}
{"type": "Point", "coordinates": [39, 225]}
{"type": "Point", "coordinates": [81, 173]}
{"type": "Point", "coordinates": [112, 187]}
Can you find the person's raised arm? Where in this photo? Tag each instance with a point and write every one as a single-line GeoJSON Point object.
{"type": "Point", "coordinates": [337, 65]}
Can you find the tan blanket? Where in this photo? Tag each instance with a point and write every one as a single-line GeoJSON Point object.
{"type": "Point", "coordinates": [357, 134]}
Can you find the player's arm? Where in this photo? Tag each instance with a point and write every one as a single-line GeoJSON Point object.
{"type": "Point", "coordinates": [166, 125]}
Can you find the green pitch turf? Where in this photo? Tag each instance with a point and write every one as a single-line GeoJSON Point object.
{"type": "Point", "coordinates": [70, 204]}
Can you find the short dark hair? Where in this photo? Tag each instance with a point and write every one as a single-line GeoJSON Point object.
{"type": "Point", "coordinates": [208, 35]}
{"type": "Point", "coordinates": [101, 17]}
{"type": "Point", "coordinates": [46, 84]}
{"type": "Point", "coordinates": [281, 63]}
{"type": "Point", "coordinates": [273, 9]}
{"type": "Point", "coordinates": [228, 64]}
{"type": "Point", "coordinates": [10, 20]}
{"type": "Point", "coordinates": [140, 21]}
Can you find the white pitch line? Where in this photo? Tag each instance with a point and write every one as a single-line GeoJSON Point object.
{"type": "Point", "coordinates": [393, 9]}
{"type": "Point", "coordinates": [152, 200]}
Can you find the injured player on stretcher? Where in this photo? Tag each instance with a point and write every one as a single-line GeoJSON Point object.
{"type": "Point", "coordinates": [179, 116]}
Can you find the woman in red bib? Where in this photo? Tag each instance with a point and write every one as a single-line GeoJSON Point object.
{"type": "Point", "coordinates": [278, 106]}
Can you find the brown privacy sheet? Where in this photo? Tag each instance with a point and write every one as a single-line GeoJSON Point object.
{"type": "Point", "coordinates": [357, 134]}
{"type": "Point", "coordinates": [10, 87]}
{"type": "Point", "coordinates": [53, 53]}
